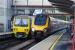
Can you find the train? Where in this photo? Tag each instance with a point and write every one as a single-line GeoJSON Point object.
{"type": "Point", "coordinates": [38, 26]}
{"type": "Point", "coordinates": [41, 26]}
{"type": "Point", "coordinates": [21, 27]}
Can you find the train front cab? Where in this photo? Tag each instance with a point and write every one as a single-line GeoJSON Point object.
{"type": "Point", "coordinates": [40, 25]}
{"type": "Point", "coordinates": [21, 27]}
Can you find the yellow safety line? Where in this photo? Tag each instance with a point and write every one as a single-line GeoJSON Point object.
{"type": "Point", "coordinates": [55, 42]}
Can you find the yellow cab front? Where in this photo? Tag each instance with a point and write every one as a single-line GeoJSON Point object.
{"type": "Point", "coordinates": [21, 27]}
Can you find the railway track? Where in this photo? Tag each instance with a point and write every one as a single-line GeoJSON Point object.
{"type": "Point", "coordinates": [21, 45]}
{"type": "Point", "coordinates": [9, 43]}
{"type": "Point", "coordinates": [17, 44]}
{"type": "Point", "coordinates": [28, 46]}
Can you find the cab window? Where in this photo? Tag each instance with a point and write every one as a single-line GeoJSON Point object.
{"type": "Point", "coordinates": [40, 19]}
{"type": "Point", "coordinates": [21, 22]}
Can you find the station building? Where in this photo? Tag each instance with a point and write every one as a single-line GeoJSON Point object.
{"type": "Point", "coordinates": [5, 15]}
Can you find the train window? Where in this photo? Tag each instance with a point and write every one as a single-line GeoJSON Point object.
{"type": "Point", "coordinates": [17, 21]}
{"type": "Point", "coordinates": [25, 22]}
{"type": "Point", "coordinates": [21, 22]}
{"type": "Point", "coordinates": [40, 19]}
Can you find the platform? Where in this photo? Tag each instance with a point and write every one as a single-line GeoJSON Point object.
{"type": "Point", "coordinates": [4, 35]}
{"type": "Point", "coordinates": [50, 42]}
{"type": "Point", "coordinates": [64, 42]}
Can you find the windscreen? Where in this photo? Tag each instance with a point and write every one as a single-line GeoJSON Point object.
{"type": "Point", "coordinates": [21, 22]}
{"type": "Point", "coordinates": [40, 19]}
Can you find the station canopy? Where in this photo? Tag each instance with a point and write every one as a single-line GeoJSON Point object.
{"type": "Point", "coordinates": [63, 5]}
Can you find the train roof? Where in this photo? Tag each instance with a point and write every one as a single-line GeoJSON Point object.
{"type": "Point", "coordinates": [22, 16]}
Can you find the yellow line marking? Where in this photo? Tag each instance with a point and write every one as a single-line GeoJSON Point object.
{"type": "Point", "coordinates": [55, 42]}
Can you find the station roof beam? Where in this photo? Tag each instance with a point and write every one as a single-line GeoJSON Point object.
{"type": "Point", "coordinates": [63, 5]}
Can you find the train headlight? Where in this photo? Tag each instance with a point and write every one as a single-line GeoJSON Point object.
{"type": "Point", "coordinates": [33, 29]}
{"type": "Point", "coordinates": [45, 30]}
